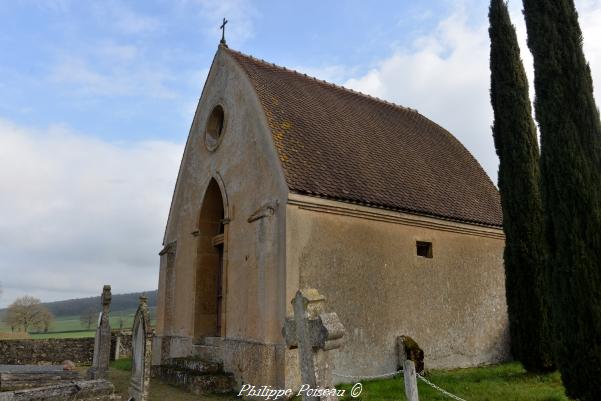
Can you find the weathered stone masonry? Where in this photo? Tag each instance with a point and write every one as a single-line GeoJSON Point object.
{"type": "Point", "coordinates": [56, 350]}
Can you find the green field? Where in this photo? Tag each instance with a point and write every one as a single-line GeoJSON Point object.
{"type": "Point", "coordinates": [492, 383]}
{"type": "Point", "coordinates": [64, 334]}
{"type": "Point", "coordinates": [71, 326]}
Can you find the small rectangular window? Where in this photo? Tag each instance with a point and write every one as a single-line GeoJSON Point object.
{"type": "Point", "coordinates": [424, 249]}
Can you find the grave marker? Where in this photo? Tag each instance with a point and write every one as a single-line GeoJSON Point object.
{"type": "Point", "coordinates": [314, 333]}
{"type": "Point", "coordinates": [141, 353]}
{"type": "Point", "coordinates": [102, 340]}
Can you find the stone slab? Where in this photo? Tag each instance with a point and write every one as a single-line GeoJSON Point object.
{"type": "Point", "coordinates": [85, 390]}
{"type": "Point", "coordinates": [10, 381]}
{"type": "Point", "coordinates": [30, 368]}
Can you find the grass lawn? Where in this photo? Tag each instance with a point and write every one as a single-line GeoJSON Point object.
{"type": "Point", "coordinates": [64, 334]}
{"type": "Point", "coordinates": [506, 382]}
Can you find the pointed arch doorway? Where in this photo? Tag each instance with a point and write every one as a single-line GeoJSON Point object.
{"type": "Point", "coordinates": [209, 295]}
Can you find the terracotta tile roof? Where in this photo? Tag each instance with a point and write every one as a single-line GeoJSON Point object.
{"type": "Point", "coordinates": [343, 145]}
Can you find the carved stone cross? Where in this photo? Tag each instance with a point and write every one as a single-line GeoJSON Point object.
{"type": "Point", "coordinates": [106, 299]}
{"type": "Point", "coordinates": [313, 332]}
{"type": "Point", "coordinates": [102, 341]}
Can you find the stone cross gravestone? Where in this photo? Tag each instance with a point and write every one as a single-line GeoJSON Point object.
{"type": "Point", "coordinates": [141, 353]}
{"type": "Point", "coordinates": [102, 341]}
{"type": "Point", "coordinates": [314, 332]}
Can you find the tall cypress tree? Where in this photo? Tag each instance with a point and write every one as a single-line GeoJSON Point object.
{"type": "Point", "coordinates": [571, 190]}
{"type": "Point", "coordinates": [516, 144]}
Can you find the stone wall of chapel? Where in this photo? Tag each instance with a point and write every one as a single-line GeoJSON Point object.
{"type": "Point", "coordinates": [365, 262]}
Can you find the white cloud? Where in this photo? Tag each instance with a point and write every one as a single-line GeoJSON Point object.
{"type": "Point", "coordinates": [118, 52]}
{"type": "Point", "coordinates": [125, 19]}
{"type": "Point", "coordinates": [77, 212]}
{"type": "Point", "coordinates": [590, 16]}
{"type": "Point", "coordinates": [77, 71]}
{"type": "Point", "coordinates": [445, 75]}
{"type": "Point", "coordinates": [54, 5]}
{"type": "Point", "coordinates": [115, 78]}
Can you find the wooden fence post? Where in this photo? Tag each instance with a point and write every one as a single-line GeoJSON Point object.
{"type": "Point", "coordinates": [409, 354]}
{"type": "Point", "coordinates": [410, 380]}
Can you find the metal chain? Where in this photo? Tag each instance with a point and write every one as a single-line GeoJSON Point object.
{"type": "Point", "coordinates": [382, 376]}
{"type": "Point", "coordinates": [434, 386]}
{"type": "Point", "coordinates": [385, 375]}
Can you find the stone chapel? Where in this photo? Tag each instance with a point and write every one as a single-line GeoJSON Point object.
{"type": "Point", "coordinates": [291, 182]}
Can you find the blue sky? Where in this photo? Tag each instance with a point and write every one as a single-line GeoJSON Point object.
{"type": "Point", "coordinates": [97, 98]}
{"type": "Point", "coordinates": [133, 70]}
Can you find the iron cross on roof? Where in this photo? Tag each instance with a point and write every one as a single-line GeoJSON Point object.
{"type": "Point", "coordinates": [222, 27]}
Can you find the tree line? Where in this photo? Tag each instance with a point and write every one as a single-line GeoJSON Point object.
{"type": "Point", "coordinates": [80, 306]}
{"type": "Point", "coordinates": [551, 197]}
{"type": "Point", "coordinates": [27, 313]}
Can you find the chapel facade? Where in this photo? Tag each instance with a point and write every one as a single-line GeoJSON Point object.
{"type": "Point", "coordinates": [290, 182]}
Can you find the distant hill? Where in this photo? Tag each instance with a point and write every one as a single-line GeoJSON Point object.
{"type": "Point", "coordinates": [120, 302]}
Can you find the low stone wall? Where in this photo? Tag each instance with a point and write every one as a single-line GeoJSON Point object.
{"type": "Point", "coordinates": [31, 352]}
{"type": "Point", "coordinates": [56, 350]}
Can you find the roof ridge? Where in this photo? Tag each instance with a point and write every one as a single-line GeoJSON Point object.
{"type": "Point", "coordinates": [331, 84]}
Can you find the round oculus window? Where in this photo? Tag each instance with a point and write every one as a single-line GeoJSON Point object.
{"type": "Point", "coordinates": [214, 128]}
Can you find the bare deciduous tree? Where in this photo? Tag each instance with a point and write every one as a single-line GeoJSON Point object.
{"type": "Point", "coordinates": [87, 318]}
{"type": "Point", "coordinates": [46, 320]}
{"type": "Point", "coordinates": [27, 313]}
